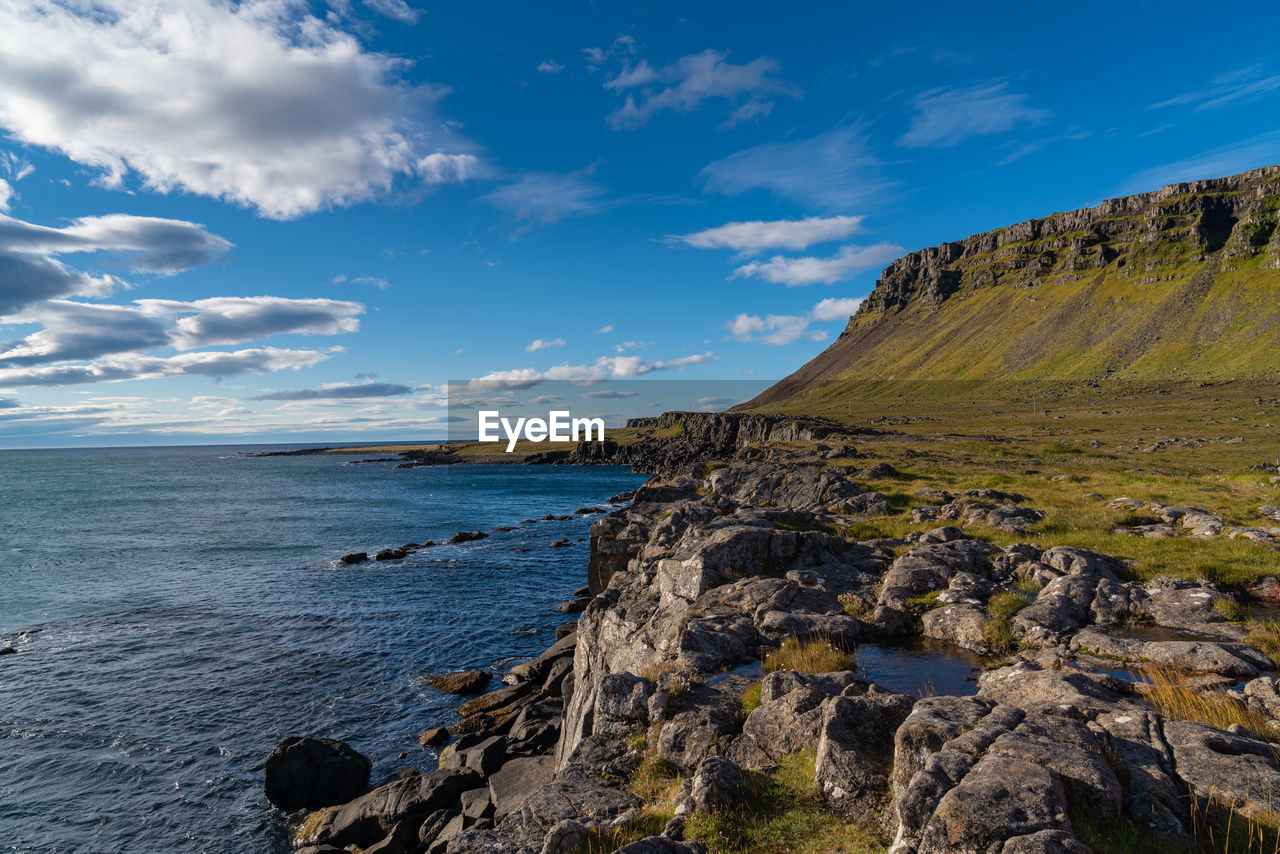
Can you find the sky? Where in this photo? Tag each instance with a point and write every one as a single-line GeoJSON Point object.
{"type": "Point", "coordinates": [283, 221]}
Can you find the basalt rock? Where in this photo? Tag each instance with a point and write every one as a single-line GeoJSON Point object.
{"type": "Point", "coordinates": [310, 773]}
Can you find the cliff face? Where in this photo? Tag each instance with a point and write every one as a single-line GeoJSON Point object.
{"type": "Point", "coordinates": [1175, 284]}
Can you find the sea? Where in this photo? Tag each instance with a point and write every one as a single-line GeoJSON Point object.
{"type": "Point", "coordinates": [178, 611]}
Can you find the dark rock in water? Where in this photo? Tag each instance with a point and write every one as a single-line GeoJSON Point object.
{"type": "Point", "coordinates": [309, 773]}
{"type": "Point", "coordinates": [467, 536]}
{"type": "Point", "coordinates": [7, 650]}
{"type": "Point", "coordinates": [428, 544]}
{"type": "Point", "coordinates": [621, 497]}
{"type": "Point", "coordinates": [321, 849]}
{"type": "Point", "coordinates": [409, 547]}
{"type": "Point", "coordinates": [558, 544]}
{"type": "Point", "coordinates": [434, 737]}
{"type": "Point", "coordinates": [582, 591]}
{"type": "Point", "coordinates": [364, 821]}
{"type": "Point", "coordinates": [355, 557]}
{"type": "Point", "coordinates": [573, 606]}
{"type": "Point", "coordinates": [566, 629]}
{"type": "Point", "coordinates": [588, 511]}
{"type": "Point", "coordinates": [466, 682]}
{"type": "Point", "coordinates": [390, 554]}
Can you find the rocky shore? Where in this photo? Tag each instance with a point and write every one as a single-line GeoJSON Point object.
{"type": "Point", "coordinates": [710, 652]}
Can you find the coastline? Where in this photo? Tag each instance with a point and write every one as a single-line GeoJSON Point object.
{"type": "Point", "coordinates": [716, 648]}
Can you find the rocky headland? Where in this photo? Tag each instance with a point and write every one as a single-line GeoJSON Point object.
{"type": "Point", "coordinates": [710, 684]}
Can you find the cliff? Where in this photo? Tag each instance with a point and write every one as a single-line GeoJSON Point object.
{"type": "Point", "coordinates": [1178, 284]}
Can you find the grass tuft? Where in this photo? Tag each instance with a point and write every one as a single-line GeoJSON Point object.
{"type": "Point", "coordinates": [997, 631]}
{"type": "Point", "coordinates": [814, 655]}
{"type": "Point", "coordinates": [1264, 635]}
{"type": "Point", "coordinates": [1166, 692]}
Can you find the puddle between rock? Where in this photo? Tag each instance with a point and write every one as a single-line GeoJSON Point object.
{"type": "Point", "coordinates": [1153, 633]}
{"type": "Point", "coordinates": [921, 667]}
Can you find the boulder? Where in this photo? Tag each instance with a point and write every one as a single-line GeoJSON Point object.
{"type": "Point", "coordinates": [467, 536]}
{"type": "Point", "coordinates": [714, 786]}
{"type": "Point", "coordinates": [854, 753]}
{"type": "Point", "coordinates": [310, 773]}
{"type": "Point", "coordinates": [354, 557]}
{"type": "Point", "coordinates": [433, 737]}
{"type": "Point", "coordinates": [483, 758]}
{"type": "Point", "coordinates": [511, 785]}
{"type": "Point", "coordinates": [370, 817]}
{"type": "Point", "coordinates": [464, 682]}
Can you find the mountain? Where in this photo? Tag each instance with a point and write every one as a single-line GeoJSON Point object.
{"type": "Point", "coordinates": [1181, 284]}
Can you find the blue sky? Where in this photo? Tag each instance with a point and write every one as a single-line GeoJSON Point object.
{"type": "Point", "coordinates": [281, 221]}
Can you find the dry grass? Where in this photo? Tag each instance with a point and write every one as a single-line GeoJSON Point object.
{"type": "Point", "coordinates": [1220, 829]}
{"type": "Point", "coordinates": [814, 655]}
{"type": "Point", "coordinates": [1265, 635]}
{"type": "Point", "coordinates": [1166, 691]}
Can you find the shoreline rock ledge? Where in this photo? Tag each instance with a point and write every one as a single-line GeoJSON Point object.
{"type": "Point", "coordinates": [711, 568]}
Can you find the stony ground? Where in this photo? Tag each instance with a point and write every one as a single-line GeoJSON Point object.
{"type": "Point", "coordinates": [1071, 557]}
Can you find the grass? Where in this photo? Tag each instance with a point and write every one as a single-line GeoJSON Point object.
{"type": "Point", "coordinates": [751, 698]}
{"type": "Point", "coordinates": [917, 605]}
{"type": "Point", "coordinates": [781, 813]}
{"type": "Point", "coordinates": [1230, 609]}
{"type": "Point", "coordinates": [997, 631]}
{"type": "Point", "coordinates": [1166, 692]}
{"type": "Point", "coordinates": [813, 655]}
{"type": "Point", "coordinates": [1219, 829]}
{"type": "Point", "coordinates": [1264, 635]}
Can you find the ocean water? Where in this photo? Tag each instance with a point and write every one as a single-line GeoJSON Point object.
{"type": "Point", "coordinates": [190, 613]}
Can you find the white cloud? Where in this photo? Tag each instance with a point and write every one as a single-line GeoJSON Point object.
{"type": "Point", "coordinates": [544, 344]}
{"type": "Point", "coordinates": [339, 391]}
{"type": "Point", "coordinates": [833, 171]}
{"type": "Point", "coordinates": [7, 195]}
{"type": "Point", "coordinates": [682, 86]}
{"type": "Point", "coordinates": [257, 103]}
{"type": "Point", "coordinates": [623, 45]}
{"type": "Point", "coordinates": [603, 330]}
{"type": "Point", "coordinates": [604, 368]}
{"type": "Point", "coordinates": [779, 330]}
{"type": "Point", "coordinates": [371, 281]}
{"type": "Point", "coordinates": [794, 272]}
{"type": "Point", "coordinates": [234, 320]}
{"type": "Point", "coordinates": [30, 274]}
{"type": "Point", "coordinates": [550, 66]}
{"type": "Point", "coordinates": [137, 366]}
{"type": "Point", "coordinates": [1226, 160]}
{"type": "Point", "coordinates": [947, 117]}
{"type": "Point", "coordinates": [754, 236]}
{"type": "Point", "coordinates": [835, 308]}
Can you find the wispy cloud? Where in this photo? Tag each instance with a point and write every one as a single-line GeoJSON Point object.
{"type": "Point", "coordinates": [395, 9]}
{"type": "Point", "coordinates": [138, 366]}
{"type": "Point", "coordinates": [1261, 150]}
{"type": "Point", "coordinates": [833, 171]}
{"type": "Point", "coordinates": [299, 116]}
{"type": "Point", "coordinates": [339, 391]}
{"type": "Point", "coordinates": [603, 330]}
{"type": "Point", "coordinates": [686, 84]}
{"type": "Point", "coordinates": [808, 270]}
{"type": "Point", "coordinates": [544, 344]}
{"type": "Point", "coordinates": [550, 66]}
{"type": "Point", "coordinates": [757, 235]}
{"type": "Point", "coordinates": [1235, 88]}
{"type": "Point", "coordinates": [548, 197]}
{"type": "Point", "coordinates": [947, 117]}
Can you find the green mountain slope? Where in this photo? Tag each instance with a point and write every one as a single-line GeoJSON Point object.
{"type": "Point", "coordinates": [1182, 284]}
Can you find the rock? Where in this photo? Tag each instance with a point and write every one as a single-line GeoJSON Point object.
{"type": "Point", "coordinates": [370, 817]}
{"type": "Point", "coordinates": [714, 786]}
{"type": "Point", "coordinates": [510, 786]}
{"type": "Point", "coordinates": [390, 554]}
{"type": "Point", "coordinates": [962, 625]}
{"type": "Point", "coordinates": [477, 803]}
{"type": "Point", "coordinates": [574, 606]}
{"type": "Point", "coordinates": [559, 544]}
{"type": "Point", "coordinates": [355, 557]}
{"type": "Point", "coordinates": [433, 737]}
{"type": "Point", "coordinates": [310, 773]}
{"type": "Point", "coordinates": [854, 753]}
{"type": "Point", "coordinates": [483, 758]}
{"type": "Point", "coordinates": [622, 704]}
{"type": "Point", "coordinates": [464, 682]}
{"type": "Point", "coordinates": [403, 839]}
{"type": "Point", "coordinates": [999, 799]}
{"type": "Point", "coordinates": [1235, 771]}
{"type": "Point", "coordinates": [565, 837]}
{"type": "Point", "coordinates": [467, 536]}
{"type": "Point", "coordinates": [565, 629]}
{"type": "Point", "coordinates": [1227, 659]}
{"type": "Point", "coordinates": [1025, 686]}
{"type": "Point", "coordinates": [8, 650]}
{"type": "Point", "coordinates": [433, 824]}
